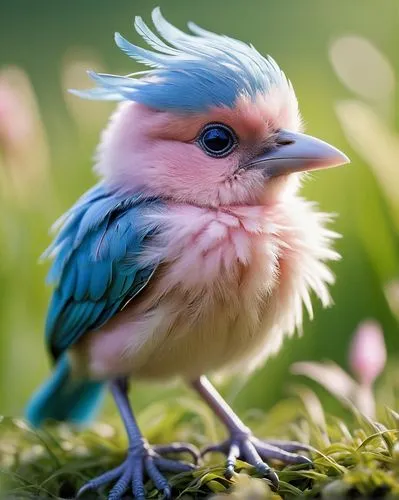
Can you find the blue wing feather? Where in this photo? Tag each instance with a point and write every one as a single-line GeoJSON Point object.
{"type": "Point", "coordinates": [95, 270]}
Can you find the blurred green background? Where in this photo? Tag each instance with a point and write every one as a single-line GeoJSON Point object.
{"type": "Point", "coordinates": [342, 59]}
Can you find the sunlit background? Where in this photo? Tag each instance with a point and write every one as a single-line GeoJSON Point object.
{"type": "Point", "coordinates": [342, 59]}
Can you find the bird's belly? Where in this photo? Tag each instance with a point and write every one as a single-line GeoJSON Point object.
{"type": "Point", "coordinates": [219, 337]}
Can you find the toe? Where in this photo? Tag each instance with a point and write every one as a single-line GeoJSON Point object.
{"type": "Point", "coordinates": [218, 448]}
{"type": "Point", "coordinates": [179, 448]}
{"type": "Point", "coordinates": [252, 456]}
{"type": "Point", "coordinates": [262, 469]}
{"type": "Point", "coordinates": [167, 493]}
{"type": "Point", "coordinates": [157, 478]}
{"type": "Point", "coordinates": [122, 484]}
{"type": "Point", "coordinates": [290, 446]}
{"type": "Point", "coordinates": [172, 465]}
{"type": "Point", "coordinates": [231, 461]}
{"type": "Point", "coordinates": [268, 451]}
{"type": "Point", "coordinates": [137, 480]}
{"type": "Point", "coordinates": [99, 481]}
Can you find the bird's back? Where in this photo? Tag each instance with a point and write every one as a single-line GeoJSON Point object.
{"type": "Point", "coordinates": [95, 269]}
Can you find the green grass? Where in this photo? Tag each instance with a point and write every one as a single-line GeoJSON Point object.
{"type": "Point", "coordinates": [35, 191]}
{"type": "Point", "coordinates": [359, 459]}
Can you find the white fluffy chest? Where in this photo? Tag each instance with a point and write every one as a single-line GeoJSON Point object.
{"type": "Point", "coordinates": [232, 283]}
{"type": "Point", "coordinates": [215, 293]}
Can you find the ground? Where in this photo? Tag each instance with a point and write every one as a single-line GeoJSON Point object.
{"type": "Point", "coordinates": [356, 458]}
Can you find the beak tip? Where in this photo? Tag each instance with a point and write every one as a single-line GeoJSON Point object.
{"type": "Point", "coordinates": [342, 159]}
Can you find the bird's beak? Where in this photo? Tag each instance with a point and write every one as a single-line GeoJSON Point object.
{"type": "Point", "coordinates": [296, 152]}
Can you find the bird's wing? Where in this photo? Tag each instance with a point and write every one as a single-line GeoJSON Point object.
{"type": "Point", "coordinates": [96, 269]}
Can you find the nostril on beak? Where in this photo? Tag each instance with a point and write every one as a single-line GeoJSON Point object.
{"type": "Point", "coordinates": [284, 141]}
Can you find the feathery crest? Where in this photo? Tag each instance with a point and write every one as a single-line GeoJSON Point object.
{"type": "Point", "coordinates": [190, 72]}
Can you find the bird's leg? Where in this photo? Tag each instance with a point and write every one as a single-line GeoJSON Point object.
{"type": "Point", "coordinates": [142, 459]}
{"type": "Point", "coordinates": [241, 443]}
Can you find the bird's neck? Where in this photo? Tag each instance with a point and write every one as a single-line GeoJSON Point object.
{"type": "Point", "coordinates": [206, 243]}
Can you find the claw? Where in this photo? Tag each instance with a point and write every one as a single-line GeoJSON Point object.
{"type": "Point", "coordinates": [273, 478]}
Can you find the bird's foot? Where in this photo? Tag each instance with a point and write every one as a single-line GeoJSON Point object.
{"type": "Point", "coordinates": [256, 452]}
{"type": "Point", "coordinates": [143, 461]}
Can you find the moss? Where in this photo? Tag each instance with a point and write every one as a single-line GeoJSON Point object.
{"type": "Point", "coordinates": [359, 459]}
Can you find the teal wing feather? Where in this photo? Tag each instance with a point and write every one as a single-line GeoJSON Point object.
{"type": "Point", "coordinates": [96, 271]}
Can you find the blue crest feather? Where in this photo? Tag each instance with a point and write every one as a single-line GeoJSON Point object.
{"type": "Point", "coordinates": [189, 72]}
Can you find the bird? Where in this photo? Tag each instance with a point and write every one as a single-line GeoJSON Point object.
{"type": "Point", "coordinates": [194, 253]}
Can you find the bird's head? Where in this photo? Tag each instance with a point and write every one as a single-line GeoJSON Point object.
{"type": "Point", "coordinates": [213, 122]}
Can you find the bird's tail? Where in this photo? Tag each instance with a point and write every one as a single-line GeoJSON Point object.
{"type": "Point", "coordinates": [63, 398]}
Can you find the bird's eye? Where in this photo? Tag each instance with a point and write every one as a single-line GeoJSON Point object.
{"type": "Point", "coordinates": [217, 140]}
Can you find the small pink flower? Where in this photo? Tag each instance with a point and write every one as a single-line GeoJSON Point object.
{"type": "Point", "coordinates": [367, 354]}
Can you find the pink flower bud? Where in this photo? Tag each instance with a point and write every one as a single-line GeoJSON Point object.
{"type": "Point", "coordinates": [367, 354]}
{"type": "Point", "coordinates": [15, 112]}
{"type": "Point", "coordinates": [23, 143]}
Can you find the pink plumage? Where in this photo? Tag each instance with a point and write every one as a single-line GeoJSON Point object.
{"type": "Point", "coordinates": [207, 153]}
